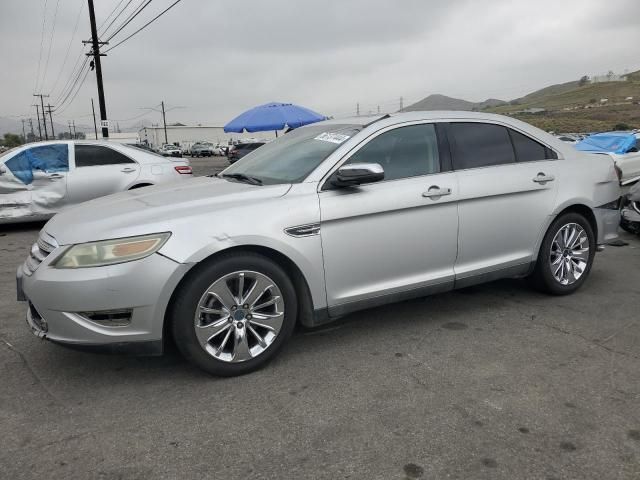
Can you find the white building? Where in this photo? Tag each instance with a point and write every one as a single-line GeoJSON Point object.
{"type": "Point", "coordinates": [186, 135]}
{"type": "Point", "coordinates": [123, 137]}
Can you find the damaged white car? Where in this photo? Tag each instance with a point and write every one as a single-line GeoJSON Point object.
{"type": "Point", "coordinates": [39, 179]}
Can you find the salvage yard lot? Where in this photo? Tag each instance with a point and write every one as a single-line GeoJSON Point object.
{"type": "Point", "coordinates": [494, 381]}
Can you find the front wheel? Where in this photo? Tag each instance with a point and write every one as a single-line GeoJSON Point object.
{"type": "Point", "coordinates": [566, 255]}
{"type": "Point", "coordinates": [233, 315]}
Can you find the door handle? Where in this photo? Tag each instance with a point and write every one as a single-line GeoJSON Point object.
{"type": "Point", "coordinates": [435, 191]}
{"type": "Point", "coordinates": [542, 179]}
{"type": "Point", "coordinates": [128, 170]}
{"type": "Point", "coordinates": [55, 176]}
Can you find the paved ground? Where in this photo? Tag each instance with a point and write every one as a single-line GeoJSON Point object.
{"type": "Point", "coordinates": [492, 382]}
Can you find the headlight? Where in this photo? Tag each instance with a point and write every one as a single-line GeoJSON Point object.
{"type": "Point", "coordinates": [109, 252]}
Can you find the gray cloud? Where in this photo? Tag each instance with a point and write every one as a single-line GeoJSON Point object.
{"type": "Point", "coordinates": [218, 58]}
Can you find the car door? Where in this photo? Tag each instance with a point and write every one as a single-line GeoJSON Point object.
{"type": "Point", "coordinates": [34, 180]}
{"type": "Point", "coordinates": [507, 186]}
{"type": "Point", "coordinates": [396, 238]}
{"type": "Point", "coordinates": [100, 170]}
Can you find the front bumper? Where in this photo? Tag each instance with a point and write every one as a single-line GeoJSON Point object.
{"type": "Point", "coordinates": [62, 303]}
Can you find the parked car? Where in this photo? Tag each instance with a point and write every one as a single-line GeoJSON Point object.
{"type": "Point", "coordinates": [220, 150]}
{"type": "Point", "coordinates": [331, 218]}
{"type": "Point", "coordinates": [39, 179]}
{"type": "Point", "coordinates": [168, 150]}
{"type": "Point", "coordinates": [241, 149]}
{"type": "Point", "coordinates": [202, 149]}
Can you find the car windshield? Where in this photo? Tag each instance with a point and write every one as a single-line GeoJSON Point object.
{"type": "Point", "coordinates": [292, 157]}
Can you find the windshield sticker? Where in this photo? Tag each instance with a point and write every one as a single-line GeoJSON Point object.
{"type": "Point", "coordinates": [332, 137]}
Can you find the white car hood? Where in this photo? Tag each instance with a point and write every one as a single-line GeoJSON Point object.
{"type": "Point", "coordinates": [154, 209]}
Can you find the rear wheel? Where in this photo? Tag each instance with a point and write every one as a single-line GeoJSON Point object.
{"type": "Point", "coordinates": [566, 255]}
{"type": "Point", "coordinates": [234, 315]}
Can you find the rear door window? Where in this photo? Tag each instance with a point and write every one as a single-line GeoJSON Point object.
{"type": "Point", "coordinates": [527, 149]}
{"type": "Point", "coordinates": [97, 155]}
{"type": "Point", "coordinates": [475, 145]}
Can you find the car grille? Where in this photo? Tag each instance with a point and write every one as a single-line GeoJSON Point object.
{"type": "Point", "coordinates": [39, 251]}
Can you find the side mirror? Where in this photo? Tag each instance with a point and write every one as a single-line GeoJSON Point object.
{"type": "Point", "coordinates": [357, 174]}
{"type": "Point", "coordinates": [3, 170]}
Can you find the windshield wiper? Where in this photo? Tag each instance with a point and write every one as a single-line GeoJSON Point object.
{"type": "Point", "coordinates": [241, 177]}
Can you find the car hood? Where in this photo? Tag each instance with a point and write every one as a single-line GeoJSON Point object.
{"type": "Point", "coordinates": [154, 209]}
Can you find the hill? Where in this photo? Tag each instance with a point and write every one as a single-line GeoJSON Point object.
{"type": "Point", "coordinates": [442, 102]}
{"type": "Point", "coordinates": [567, 107]}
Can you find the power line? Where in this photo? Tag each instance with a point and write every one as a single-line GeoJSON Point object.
{"type": "Point", "coordinates": [145, 25]}
{"type": "Point", "coordinates": [66, 56]}
{"type": "Point", "coordinates": [74, 72]}
{"type": "Point", "coordinates": [112, 12]}
{"type": "Point", "coordinates": [75, 94]}
{"type": "Point", "coordinates": [53, 30]}
{"type": "Point", "coordinates": [116, 17]}
{"type": "Point", "coordinates": [44, 18]}
{"type": "Point", "coordinates": [71, 83]}
{"type": "Point", "coordinates": [129, 19]}
{"type": "Point", "coordinates": [73, 86]}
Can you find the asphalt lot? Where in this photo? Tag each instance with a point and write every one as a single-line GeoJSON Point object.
{"type": "Point", "coordinates": [490, 382]}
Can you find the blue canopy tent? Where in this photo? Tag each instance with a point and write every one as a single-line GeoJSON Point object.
{"type": "Point", "coordinates": [611, 142]}
{"type": "Point", "coordinates": [273, 116]}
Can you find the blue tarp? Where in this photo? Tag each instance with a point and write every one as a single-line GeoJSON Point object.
{"type": "Point", "coordinates": [47, 158]}
{"type": "Point", "coordinates": [273, 116]}
{"type": "Point", "coordinates": [611, 142]}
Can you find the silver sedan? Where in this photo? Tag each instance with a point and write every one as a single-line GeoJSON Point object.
{"type": "Point", "coordinates": [328, 219]}
{"type": "Point", "coordinates": [39, 179]}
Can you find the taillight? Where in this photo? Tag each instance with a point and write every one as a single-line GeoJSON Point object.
{"type": "Point", "coordinates": [184, 170]}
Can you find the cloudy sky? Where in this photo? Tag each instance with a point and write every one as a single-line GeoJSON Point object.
{"type": "Point", "coordinates": [213, 59]}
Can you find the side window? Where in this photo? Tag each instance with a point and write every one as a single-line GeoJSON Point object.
{"type": "Point", "coordinates": [47, 158]}
{"type": "Point", "coordinates": [527, 149]}
{"type": "Point", "coordinates": [96, 155]}
{"type": "Point", "coordinates": [479, 145]}
{"type": "Point", "coordinates": [403, 152]}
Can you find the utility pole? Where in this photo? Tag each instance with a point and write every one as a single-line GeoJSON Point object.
{"type": "Point", "coordinates": [164, 121]}
{"type": "Point", "coordinates": [44, 119]}
{"type": "Point", "coordinates": [38, 114]}
{"type": "Point", "coordinates": [73, 124]}
{"type": "Point", "coordinates": [33, 135]}
{"type": "Point", "coordinates": [378, 108]}
{"type": "Point", "coordinates": [95, 127]}
{"type": "Point", "coordinates": [70, 134]}
{"type": "Point", "coordinates": [53, 134]}
{"type": "Point", "coordinates": [401, 103]}
{"type": "Point", "coordinates": [95, 51]}
{"type": "Point", "coordinates": [24, 135]}
{"type": "Point", "coordinates": [358, 109]}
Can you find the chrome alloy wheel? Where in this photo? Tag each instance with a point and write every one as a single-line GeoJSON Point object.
{"type": "Point", "coordinates": [239, 316]}
{"type": "Point", "coordinates": [569, 253]}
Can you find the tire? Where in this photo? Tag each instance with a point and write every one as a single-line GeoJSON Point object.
{"type": "Point", "coordinates": [571, 264]}
{"type": "Point", "coordinates": [233, 348]}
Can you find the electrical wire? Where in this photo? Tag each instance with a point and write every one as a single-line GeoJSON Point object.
{"type": "Point", "coordinates": [73, 36]}
{"type": "Point", "coordinates": [145, 25]}
{"type": "Point", "coordinates": [74, 74]}
{"type": "Point", "coordinates": [59, 104]}
{"type": "Point", "coordinates": [75, 94]}
{"type": "Point", "coordinates": [129, 19]}
{"type": "Point", "coordinates": [101, 34]}
{"type": "Point", "coordinates": [53, 30]}
{"type": "Point", "coordinates": [109, 16]}
{"type": "Point", "coordinates": [44, 18]}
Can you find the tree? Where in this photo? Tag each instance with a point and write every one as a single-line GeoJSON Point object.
{"type": "Point", "coordinates": [621, 126]}
{"type": "Point", "coordinates": [583, 80]}
{"type": "Point", "coordinates": [12, 140]}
